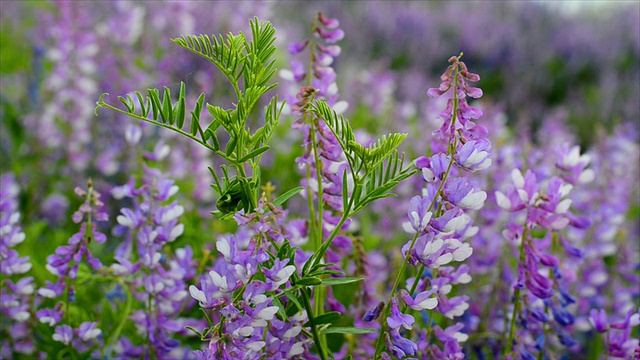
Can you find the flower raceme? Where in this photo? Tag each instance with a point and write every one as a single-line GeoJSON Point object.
{"type": "Point", "coordinates": [441, 221]}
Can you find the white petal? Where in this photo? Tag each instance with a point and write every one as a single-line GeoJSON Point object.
{"type": "Point", "coordinates": [197, 294]}
{"type": "Point", "coordinates": [432, 247]}
{"type": "Point", "coordinates": [176, 231]}
{"type": "Point", "coordinates": [563, 206]}
{"type": "Point", "coordinates": [267, 313]}
{"type": "Point", "coordinates": [461, 337]}
{"type": "Point", "coordinates": [587, 176]}
{"type": "Point", "coordinates": [474, 200]}
{"type": "Point", "coordinates": [428, 175]}
{"type": "Point", "coordinates": [340, 107]}
{"type": "Point", "coordinates": [219, 281]}
{"type": "Point", "coordinates": [48, 293]}
{"type": "Point", "coordinates": [243, 331]}
{"type": "Point", "coordinates": [256, 345]}
{"type": "Point", "coordinates": [463, 279]}
{"type": "Point", "coordinates": [291, 333]}
{"type": "Point", "coordinates": [286, 74]}
{"type": "Point", "coordinates": [463, 252]}
{"type": "Point", "coordinates": [518, 179]}
{"type": "Point", "coordinates": [124, 221]}
{"type": "Point", "coordinates": [224, 248]}
{"type": "Point", "coordinates": [444, 259]}
{"type": "Point", "coordinates": [565, 189]}
{"type": "Point", "coordinates": [503, 201]}
{"type": "Point", "coordinates": [91, 334]}
{"type": "Point", "coordinates": [426, 304]}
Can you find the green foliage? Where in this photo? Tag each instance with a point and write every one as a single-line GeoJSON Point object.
{"type": "Point", "coordinates": [249, 67]}
{"type": "Point", "coordinates": [375, 170]}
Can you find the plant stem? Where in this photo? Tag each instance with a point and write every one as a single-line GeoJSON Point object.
{"type": "Point", "coordinates": [387, 307]}
{"type": "Point", "coordinates": [314, 331]}
{"type": "Point", "coordinates": [516, 299]}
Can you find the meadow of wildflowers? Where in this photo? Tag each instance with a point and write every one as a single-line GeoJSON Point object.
{"type": "Point", "coordinates": [307, 180]}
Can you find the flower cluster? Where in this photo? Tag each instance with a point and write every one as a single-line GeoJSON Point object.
{"type": "Point", "coordinates": [65, 264]}
{"type": "Point", "coordinates": [17, 290]}
{"type": "Point", "coordinates": [541, 295]}
{"type": "Point", "coordinates": [323, 161]}
{"type": "Point", "coordinates": [242, 293]}
{"type": "Point", "coordinates": [156, 276]}
{"type": "Point", "coordinates": [441, 222]}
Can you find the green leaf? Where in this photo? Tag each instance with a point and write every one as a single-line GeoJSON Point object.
{"type": "Point", "coordinates": [327, 318]}
{"type": "Point", "coordinates": [287, 195]}
{"type": "Point", "coordinates": [154, 95]}
{"type": "Point", "coordinates": [340, 281]}
{"type": "Point", "coordinates": [231, 145]}
{"type": "Point", "coordinates": [194, 331]}
{"type": "Point", "coordinates": [128, 103]}
{"type": "Point", "coordinates": [180, 107]}
{"type": "Point", "coordinates": [220, 115]}
{"type": "Point", "coordinates": [348, 330]}
{"type": "Point", "coordinates": [254, 153]}
{"type": "Point", "coordinates": [345, 191]}
{"type": "Point", "coordinates": [283, 252]}
{"type": "Point", "coordinates": [326, 272]}
{"type": "Point", "coordinates": [167, 109]}
{"type": "Point", "coordinates": [309, 281]}
{"type": "Point", "coordinates": [195, 115]}
{"type": "Point", "coordinates": [226, 53]}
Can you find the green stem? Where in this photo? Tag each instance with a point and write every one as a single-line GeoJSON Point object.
{"type": "Point", "coordinates": [387, 307]}
{"type": "Point", "coordinates": [314, 331]}
{"type": "Point", "coordinates": [516, 299]}
{"type": "Point", "coordinates": [115, 335]}
{"type": "Point", "coordinates": [167, 126]}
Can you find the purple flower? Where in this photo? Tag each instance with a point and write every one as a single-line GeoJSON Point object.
{"type": "Point", "coordinates": [375, 313]}
{"type": "Point", "coordinates": [330, 36]}
{"type": "Point", "coordinates": [63, 334]}
{"type": "Point", "coordinates": [398, 319]}
{"type": "Point", "coordinates": [400, 346]}
{"type": "Point", "coordinates": [418, 215]}
{"type": "Point", "coordinates": [451, 221]}
{"type": "Point", "coordinates": [296, 48]}
{"type": "Point", "coordinates": [463, 193]}
{"type": "Point", "coordinates": [329, 23]}
{"type": "Point", "coordinates": [474, 155]}
{"type": "Point", "coordinates": [88, 331]}
{"type": "Point", "coordinates": [421, 301]}
{"type": "Point", "coordinates": [279, 273]}
{"type": "Point", "coordinates": [50, 317]}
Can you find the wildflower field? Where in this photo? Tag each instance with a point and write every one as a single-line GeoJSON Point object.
{"type": "Point", "coordinates": [319, 180]}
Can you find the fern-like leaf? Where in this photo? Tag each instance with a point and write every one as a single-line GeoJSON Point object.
{"type": "Point", "coordinates": [379, 182]}
{"type": "Point", "coordinates": [160, 110]}
{"type": "Point", "coordinates": [227, 54]}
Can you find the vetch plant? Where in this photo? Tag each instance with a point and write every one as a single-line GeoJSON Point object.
{"type": "Point", "coordinates": [465, 231]}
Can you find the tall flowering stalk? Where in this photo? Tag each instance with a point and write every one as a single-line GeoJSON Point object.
{"type": "Point", "coordinates": [16, 289]}
{"type": "Point", "coordinates": [66, 265]}
{"type": "Point", "coordinates": [541, 299]}
{"type": "Point", "coordinates": [323, 160]}
{"type": "Point", "coordinates": [154, 276]}
{"type": "Point", "coordinates": [441, 223]}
